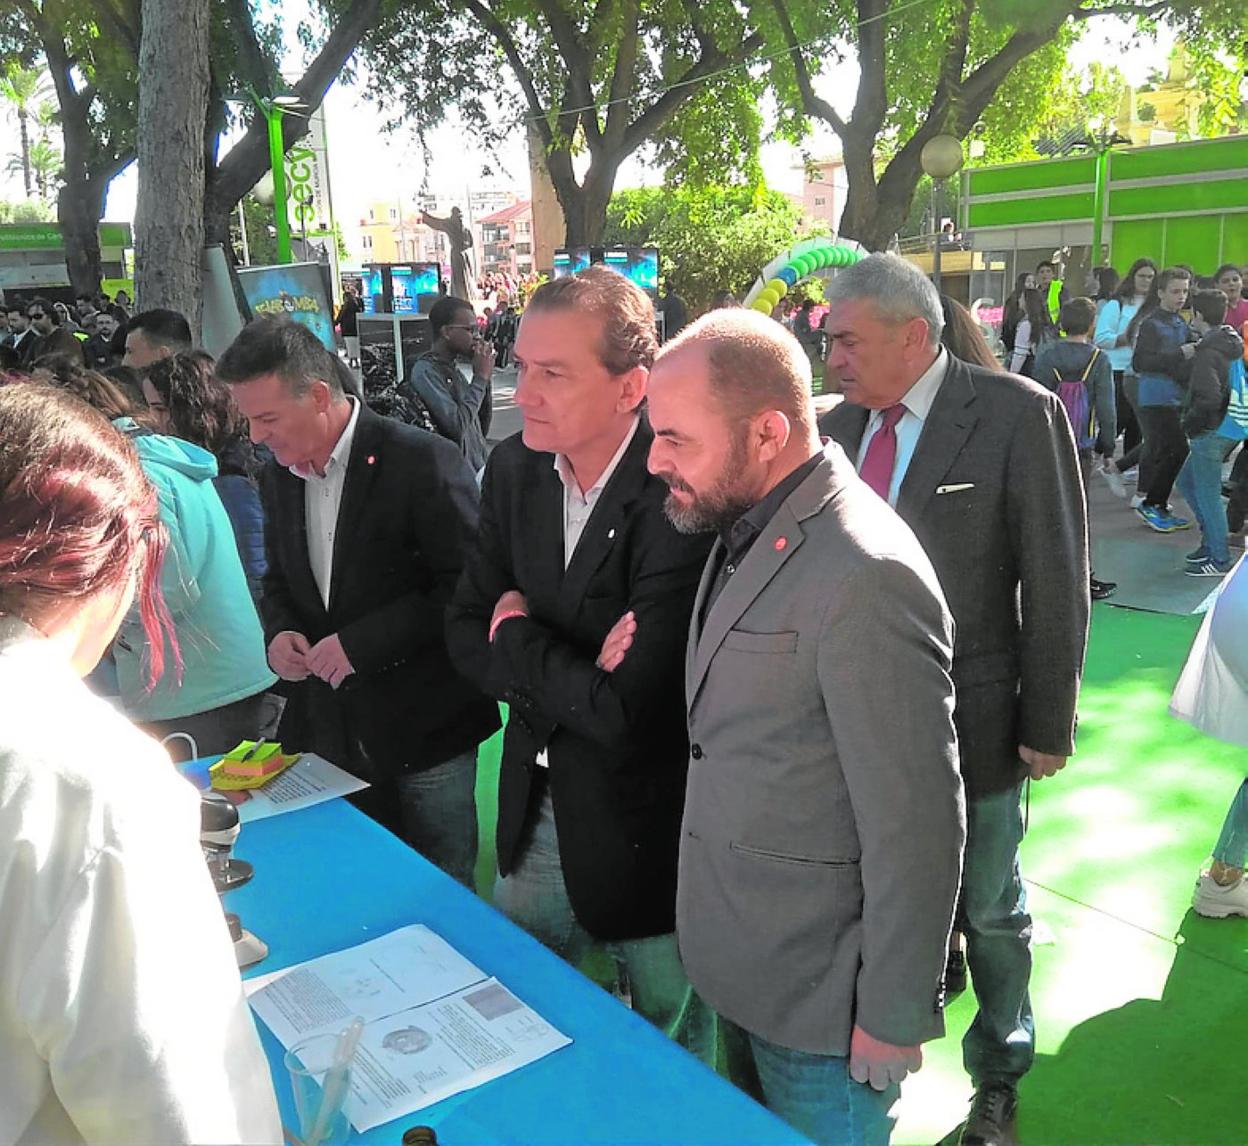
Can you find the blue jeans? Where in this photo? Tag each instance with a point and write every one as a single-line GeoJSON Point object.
{"type": "Point", "coordinates": [815, 1094]}
{"type": "Point", "coordinates": [1200, 483]}
{"type": "Point", "coordinates": [434, 812]}
{"type": "Point", "coordinates": [535, 897]}
{"type": "Point", "coordinates": [1232, 847]}
{"type": "Point", "coordinates": [1000, 1045]}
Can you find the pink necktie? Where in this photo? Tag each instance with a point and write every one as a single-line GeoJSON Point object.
{"type": "Point", "coordinates": [877, 466]}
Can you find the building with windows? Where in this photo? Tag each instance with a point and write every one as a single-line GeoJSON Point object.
{"type": "Point", "coordinates": [824, 188]}
{"type": "Point", "coordinates": [505, 241]}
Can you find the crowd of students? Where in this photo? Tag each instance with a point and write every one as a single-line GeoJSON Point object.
{"type": "Point", "coordinates": [1160, 354]}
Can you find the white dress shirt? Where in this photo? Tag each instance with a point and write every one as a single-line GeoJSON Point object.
{"type": "Point", "coordinates": [122, 1018]}
{"type": "Point", "coordinates": [578, 506]}
{"type": "Point", "coordinates": [322, 498]}
{"type": "Point", "coordinates": [918, 402]}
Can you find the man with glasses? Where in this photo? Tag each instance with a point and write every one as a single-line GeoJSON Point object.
{"type": "Point", "coordinates": [458, 409]}
{"type": "Point", "coordinates": [50, 337]}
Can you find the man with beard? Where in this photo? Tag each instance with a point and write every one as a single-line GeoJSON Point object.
{"type": "Point", "coordinates": [573, 609]}
{"type": "Point", "coordinates": [823, 826]}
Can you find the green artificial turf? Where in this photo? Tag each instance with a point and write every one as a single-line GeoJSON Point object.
{"type": "Point", "coordinates": [1141, 1006]}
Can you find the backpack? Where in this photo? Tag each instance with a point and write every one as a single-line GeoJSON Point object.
{"type": "Point", "coordinates": [1235, 424]}
{"type": "Point", "coordinates": [1074, 395]}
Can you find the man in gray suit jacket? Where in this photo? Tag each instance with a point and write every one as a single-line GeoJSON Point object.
{"type": "Point", "coordinates": [823, 827]}
{"type": "Point", "coordinates": [982, 466]}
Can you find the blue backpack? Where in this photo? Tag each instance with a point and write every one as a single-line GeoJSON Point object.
{"type": "Point", "coordinates": [1235, 424]}
{"type": "Point", "coordinates": [1073, 391]}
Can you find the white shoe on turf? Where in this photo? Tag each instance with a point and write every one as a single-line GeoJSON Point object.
{"type": "Point", "coordinates": [1214, 901]}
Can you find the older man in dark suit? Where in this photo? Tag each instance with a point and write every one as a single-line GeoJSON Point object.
{"type": "Point", "coordinates": [573, 609]}
{"type": "Point", "coordinates": [366, 525]}
{"type": "Point", "coordinates": [983, 468]}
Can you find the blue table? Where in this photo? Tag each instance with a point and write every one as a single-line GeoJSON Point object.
{"type": "Point", "coordinates": [328, 878]}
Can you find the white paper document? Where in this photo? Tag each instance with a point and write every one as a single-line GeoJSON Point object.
{"type": "Point", "coordinates": [308, 781]}
{"type": "Point", "coordinates": [435, 1023]}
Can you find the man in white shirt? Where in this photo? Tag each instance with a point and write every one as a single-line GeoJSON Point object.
{"type": "Point", "coordinates": [573, 609]}
{"type": "Point", "coordinates": [366, 525]}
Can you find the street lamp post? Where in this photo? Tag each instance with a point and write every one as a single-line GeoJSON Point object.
{"type": "Point", "coordinates": [940, 158]}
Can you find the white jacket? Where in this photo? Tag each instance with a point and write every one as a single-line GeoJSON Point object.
{"type": "Point", "coordinates": [122, 1018]}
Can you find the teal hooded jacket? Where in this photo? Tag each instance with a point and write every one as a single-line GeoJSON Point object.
{"type": "Point", "coordinates": [219, 634]}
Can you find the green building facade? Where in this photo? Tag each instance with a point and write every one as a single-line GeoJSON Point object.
{"type": "Point", "coordinates": [1175, 203]}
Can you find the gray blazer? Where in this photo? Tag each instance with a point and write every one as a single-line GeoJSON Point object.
{"type": "Point", "coordinates": [824, 820]}
{"type": "Point", "coordinates": [993, 494]}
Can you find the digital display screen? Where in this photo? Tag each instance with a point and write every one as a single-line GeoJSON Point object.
{"type": "Point", "coordinates": [570, 260]}
{"type": "Point", "coordinates": [296, 290]}
{"type": "Point", "coordinates": [408, 281]}
{"type": "Point", "coordinates": [638, 264]}
{"type": "Point", "coordinates": [374, 290]}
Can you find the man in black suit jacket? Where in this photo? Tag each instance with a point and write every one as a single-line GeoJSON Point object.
{"type": "Point", "coordinates": [366, 526]}
{"type": "Point", "coordinates": [983, 468]}
{"type": "Point", "coordinates": [573, 609]}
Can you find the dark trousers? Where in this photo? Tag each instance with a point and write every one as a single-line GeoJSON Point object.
{"type": "Point", "coordinates": [1165, 451]}
{"type": "Point", "coordinates": [1128, 396]}
{"type": "Point", "coordinates": [1128, 423]}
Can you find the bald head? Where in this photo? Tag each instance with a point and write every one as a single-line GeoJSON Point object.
{"type": "Point", "coordinates": [752, 364]}
{"type": "Point", "coordinates": [730, 405]}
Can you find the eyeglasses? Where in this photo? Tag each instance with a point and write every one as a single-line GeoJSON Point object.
{"type": "Point", "coordinates": [35, 314]}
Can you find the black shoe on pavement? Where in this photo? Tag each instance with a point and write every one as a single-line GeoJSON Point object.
{"type": "Point", "coordinates": [1103, 589]}
{"type": "Point", "coordinates": [955, 973]}
{"type": "Point", "coordinates": [991, 1120]}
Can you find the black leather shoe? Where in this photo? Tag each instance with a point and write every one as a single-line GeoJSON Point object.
{"type": "Point", "coordinates": [1103, 589]}
{"type": "Point", "coordinates": [955, 973]}
{"type": "Point", "coordinates": [991, 1121]}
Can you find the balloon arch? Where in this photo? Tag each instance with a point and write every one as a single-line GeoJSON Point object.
{"type": "Point", "coordinates": [801, 261]}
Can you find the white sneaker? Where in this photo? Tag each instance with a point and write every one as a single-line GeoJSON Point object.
{"type": "Point", "coordinates": [1114, 478]}
{"type": "Point", "coordinates": [1137, 500]}
{"type": "Point", "coordinates": [1216, 902]}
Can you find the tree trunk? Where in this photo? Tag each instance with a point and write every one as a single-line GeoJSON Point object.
{"type": "Point", "coordinates": [79, 207]}
{"type": "Point", "coordinates": [23, 127]}
{"type": "Point", "coordinates": [584, 204]}
{"type": "Point", "coordinates": [875, 210]}
{"type": "Point", "coordinates": [173, 104]}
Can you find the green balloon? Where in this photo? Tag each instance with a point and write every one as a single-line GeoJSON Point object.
{"type": "Point", "coordinates": [822, 255]}
{"type": "Point", "coordinates": [838, 257]}
{"type": "Point", "coordinates": [803, 264]}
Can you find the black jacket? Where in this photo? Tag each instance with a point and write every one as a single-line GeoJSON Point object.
{"type": "Point", "coordinates": [1209, 390]}
{"type": "Point", "coordinates": [408, 512]}
{"type": "Point", "coordinates": [617, 742]}
{"type": "Point", "coordinates": [994, 495]}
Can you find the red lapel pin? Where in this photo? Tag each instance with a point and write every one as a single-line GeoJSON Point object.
{"type": "Point", "coordinates": [781, 544]}
{"type": "Point", "coordinates": [371, 459]}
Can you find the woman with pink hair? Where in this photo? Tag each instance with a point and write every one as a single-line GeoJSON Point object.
{"type": "Point", "coordinates": [122, 1017]}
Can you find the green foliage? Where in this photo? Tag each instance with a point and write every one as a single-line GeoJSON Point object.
{"type": "Point", "coordinates": [26, 211]}
{"type": "Point", "coordinates": [45, 166]}
{"type": "Point", "coordinates": [583, 73]}
{"type": "Point", "coordinates": [261, 232]}
{"type": "Point", "coordinates": [710, 238]}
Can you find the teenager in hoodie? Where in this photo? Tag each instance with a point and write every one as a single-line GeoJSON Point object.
{"type": "Point", "coordinates": [219, 696]}
{"type": "Point", "coordinates": [1204, 411]}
